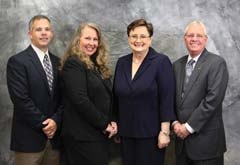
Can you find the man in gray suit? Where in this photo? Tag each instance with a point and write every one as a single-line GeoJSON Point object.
{"type": "Point", "coordinates": [201, 82]}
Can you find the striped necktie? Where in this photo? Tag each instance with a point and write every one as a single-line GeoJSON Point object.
{"type": "Point", "coordinates": [189, 68]}
{"type": "Point", "coordinates": [48, 70]}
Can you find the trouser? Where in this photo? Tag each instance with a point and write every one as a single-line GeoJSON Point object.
{"type": "Point", "coordinates": [46, 157]}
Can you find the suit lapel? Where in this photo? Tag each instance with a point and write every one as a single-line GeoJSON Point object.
{"type": "Point", "coordinates": [127, 69]}
{"type": "Point", "coordinates": [106, 82]}
{"type": "Point", "coordinates": [181, 78]}
{"type": "Point", "coordinates": [108, 85]}
{"type": "Point", "coordinates": [36, 62]}
{"type": "Point", "coordinates": [143, 67]}
{"type": "Point", "coordinates": [145, 64]}
{"type": "Point", "coordinates": [55, 64]}
{"type": "Point", "coordinates": [196, 72]}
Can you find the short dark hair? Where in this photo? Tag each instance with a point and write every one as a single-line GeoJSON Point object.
{"type": "Point", "coordinates": [36, 17]}
{"type": "Point", "coordinates": [140, 22]}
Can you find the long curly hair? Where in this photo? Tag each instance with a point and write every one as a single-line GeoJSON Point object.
{"type": "Point", "coordinates": [99, 60]}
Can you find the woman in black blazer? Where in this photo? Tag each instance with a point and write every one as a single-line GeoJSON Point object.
{"type": "Point", "coordinates": [144, 97]}
{"type": "Point", "coordinates": [87, 98]}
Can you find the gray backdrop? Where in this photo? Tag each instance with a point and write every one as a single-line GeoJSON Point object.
{"type": "Point", "coordinates": [169, 18]}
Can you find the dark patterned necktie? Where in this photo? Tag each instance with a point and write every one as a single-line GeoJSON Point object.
{"type": "Point", "coordinates": [189, 68]}
{"type": "Point", "coordinates": [48, 70]}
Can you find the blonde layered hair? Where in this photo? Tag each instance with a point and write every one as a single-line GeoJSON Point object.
{"type": "Point", "coordinates": [102, 53]}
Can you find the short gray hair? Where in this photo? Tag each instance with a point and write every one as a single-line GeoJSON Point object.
{"type": "Point", "coordinates": [196, 22]}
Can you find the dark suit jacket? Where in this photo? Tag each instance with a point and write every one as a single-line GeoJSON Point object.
{"type": "Point", "coordinates": [87, 102]}
{"type": "Point", "coordinates": [147, 100]}
{"type": "Point", "coordinates": [201, 105]}
{"type": "Point", "coordinates": [32, 100]}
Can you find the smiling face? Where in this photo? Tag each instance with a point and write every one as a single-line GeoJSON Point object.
{"type": "Point", "coordinates": [139, 39]}
{"type": "Point", "coordinates": [41, 34]}
{"type": "Point", "coordinates": [89, 41]}
{"type": "Point", "coordinates": [195, 39]}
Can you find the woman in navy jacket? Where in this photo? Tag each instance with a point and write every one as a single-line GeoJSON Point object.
{"type": "Point", "coordinates": [144, 98]}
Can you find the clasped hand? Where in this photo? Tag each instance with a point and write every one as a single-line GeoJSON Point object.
{"type": "Point", "coordinates": [180, 130]}
{"type": "Point", "coordinates": [111, 129]}
{"type": "Point", "coordinates": [50, 128]}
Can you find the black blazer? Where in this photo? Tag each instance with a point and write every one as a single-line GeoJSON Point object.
{"type": "Point", "coordinates": [87, 101]}
{"type": "Point", "coordinates": [147, 100]}
{"type": "Point", "coordinates": [32, 100]}
{"type": "Point", "coordinates": [201, 105]}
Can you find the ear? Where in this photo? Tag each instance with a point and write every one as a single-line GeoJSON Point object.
{"type": "Point", "coordinates": [150, 40]}
{"type": "Point", "coordinates": [30, 34]}
{"type": "Point", "coordinates": [53, 32]}
{"type": "Point", "coordinates": [206, 38]}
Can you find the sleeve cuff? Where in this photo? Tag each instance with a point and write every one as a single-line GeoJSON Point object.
{"type": "Point", "coordinates": [189, 128]}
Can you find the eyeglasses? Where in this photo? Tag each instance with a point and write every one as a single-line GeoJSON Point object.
{"type": "Point", "coordinates": [198, 36]}
{"type": "Point", "coordinates": [141, 37]}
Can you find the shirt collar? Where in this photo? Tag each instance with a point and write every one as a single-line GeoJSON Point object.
{"type": "Point", "coordinates": [195, 58]}
{"type": "Point", "coordinates": [39, 52]}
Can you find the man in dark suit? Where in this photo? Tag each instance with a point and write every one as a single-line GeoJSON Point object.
{"type": "Point", "coordinates": [32, 79]}
{"type": "Point", "coordinates": [199, 96]}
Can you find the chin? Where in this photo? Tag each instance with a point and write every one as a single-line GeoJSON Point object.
{"type": "Point", "coordinates": [89, 54]}
{"type": "Point", "coordinates": [139, 49]}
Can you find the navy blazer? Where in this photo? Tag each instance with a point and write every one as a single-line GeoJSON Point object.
{"type": "Point", "coordinates": [32, 100]}
{"type": "Point", "coordinates": [145, 101]}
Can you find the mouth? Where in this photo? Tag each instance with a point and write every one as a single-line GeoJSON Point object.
{"type": "Point", "coordinates": [194, 44]}
{"type": "Point", "coordinates": [139, 45]}
{"type": "Point", "coordinates": [44, 39]}
{"type": "Point", "coordinates": [90, 49]}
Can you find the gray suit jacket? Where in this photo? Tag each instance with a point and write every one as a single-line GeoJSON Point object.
{"type": "Point", "coordinates": [201, 105]}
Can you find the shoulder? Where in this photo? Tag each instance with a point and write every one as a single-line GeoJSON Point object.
{"type": "Point", "coordinates": [20, 57]}
{"type": "Point", "coordinates": [213, 59]}
{"type": "Point", "coordinates": [181, 59]}
{"type": "Point", "coordinates": [215, 64]}
{"type": "Point", "coordinates": [125, 57]}
{"type": "Point", "coordinates": [73, 61]}
{"type": "Point", "coordinates": [56, 61]}
{"type": "Point", "coordinates": [152, 53]}
{"type": "Point", "coordinates": [159, 58]}
{"type": "Point", "coordinates": [53, 56]}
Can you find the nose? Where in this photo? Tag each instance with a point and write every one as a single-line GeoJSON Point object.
{"type": "Point", "coordinates": [91, 42]}
{"type": "Point", "coordinates": [44, 32]}
{"type": "Point", "coordinates": [138, 39]}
